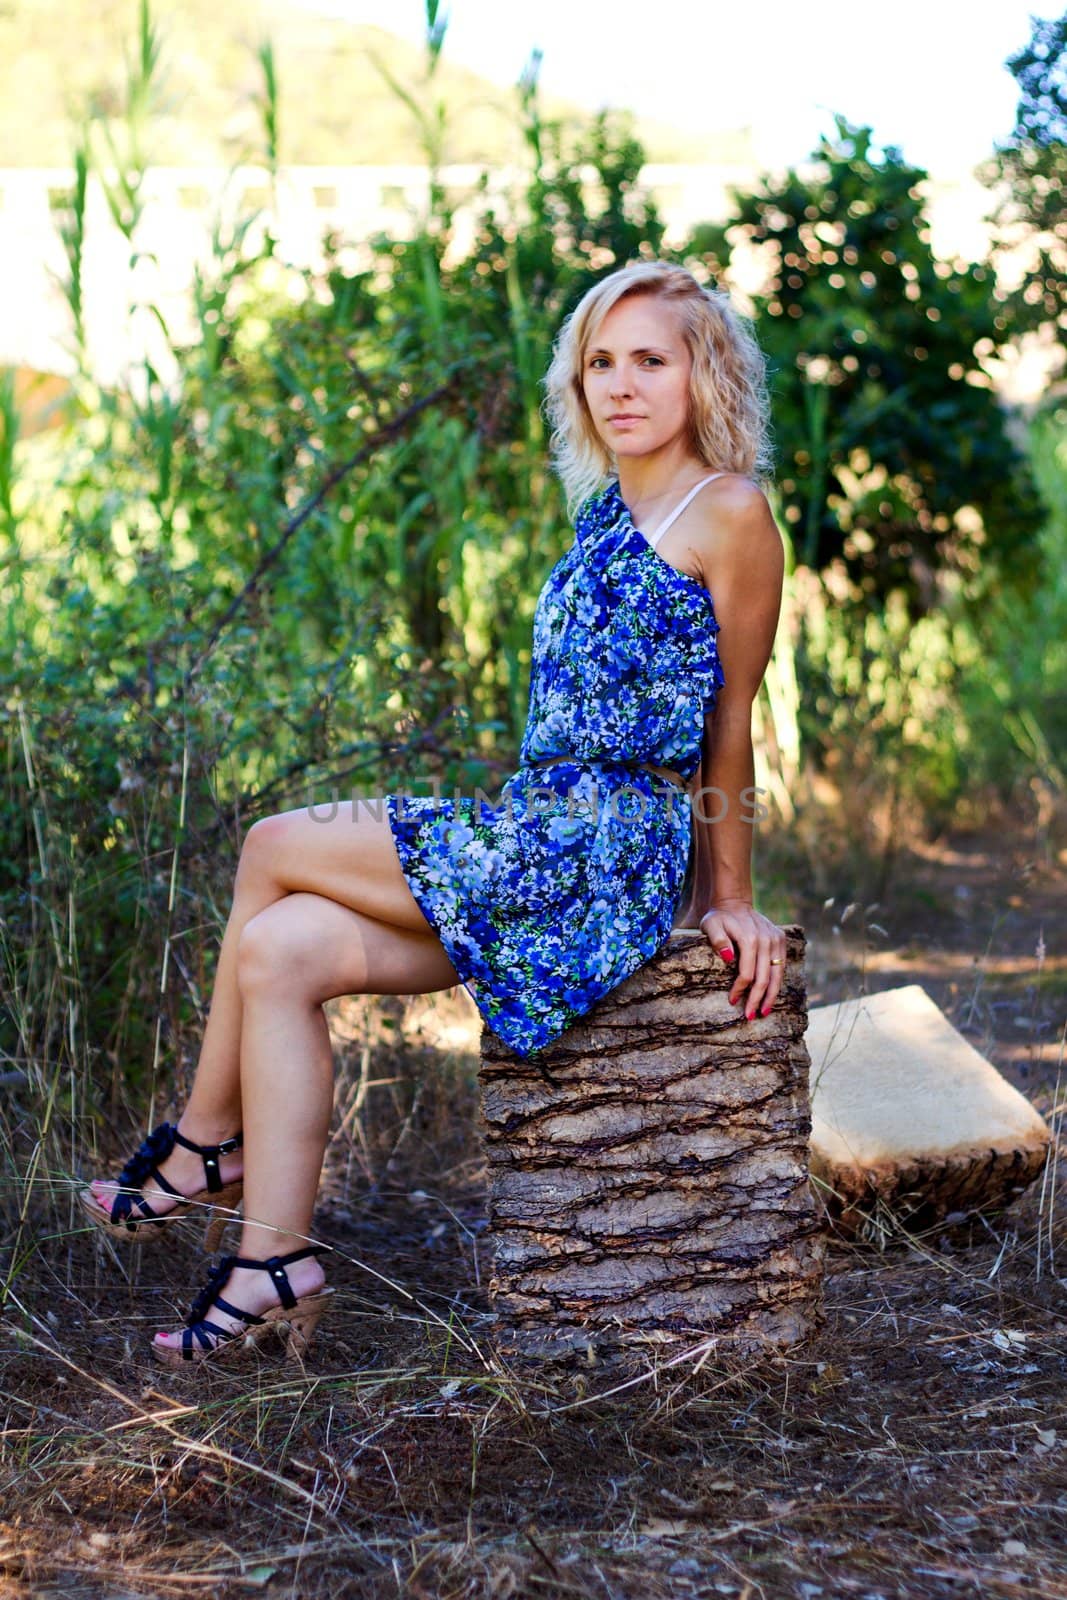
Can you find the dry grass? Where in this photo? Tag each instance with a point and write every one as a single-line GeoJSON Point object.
{"type": "Point", "coordinates": [914, 1448]}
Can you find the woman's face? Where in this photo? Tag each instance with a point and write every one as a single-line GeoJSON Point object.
{"type": "Point", "coordinates": [635, 377]}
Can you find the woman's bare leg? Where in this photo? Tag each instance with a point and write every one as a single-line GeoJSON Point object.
{"type": "Point", "coordinates": [293, 956]}
{"type": "Point", "coordinates": [349, 857]}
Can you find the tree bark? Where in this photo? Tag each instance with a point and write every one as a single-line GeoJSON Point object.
{"type": "Point", "coordinates": [648, 1171]}
{"type": "Point", "coordinates": [911, 1127]}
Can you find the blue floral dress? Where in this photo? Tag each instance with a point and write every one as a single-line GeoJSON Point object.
{"type": "Point", "coordinates": [548, 897]}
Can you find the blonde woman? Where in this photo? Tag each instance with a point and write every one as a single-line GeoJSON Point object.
{"type": "Point", "coordinates": [650, 640]}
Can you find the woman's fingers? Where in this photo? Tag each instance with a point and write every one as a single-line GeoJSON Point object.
{"type": "Point", "coordinates": [767, 983]}
{"type": "Point", "coordinates": [755, 942]}
{"type": "Point", "coordinates": [735, 944]}
{"type": "Point", "coordinates": [713, 926]}
{"type": "Point", "coordinates": [757, 995]}
{"type": "Point", "coordinates": [746, 970]}
{"type": "Point", "coordinates": [777, 971]}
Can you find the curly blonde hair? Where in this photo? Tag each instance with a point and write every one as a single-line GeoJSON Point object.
{"type": "Point", "coordinates": [729, 411]}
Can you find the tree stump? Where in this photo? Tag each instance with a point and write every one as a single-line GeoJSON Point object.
{"type": "Point", "coordinates": [911, 1127]}
{"type": "Point", "coordinates": [648, 1171]}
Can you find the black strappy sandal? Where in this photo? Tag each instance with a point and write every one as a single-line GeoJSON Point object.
{"type": "Point", "coordinates": [220, 1198]}
{"type": "Point", "coordinates": [298, 1317]}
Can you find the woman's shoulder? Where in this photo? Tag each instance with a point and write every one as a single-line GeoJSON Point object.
{"type": "Point", "coordinates": [734, 490]}
{"type": "Point", "coordinates": [734, 521]}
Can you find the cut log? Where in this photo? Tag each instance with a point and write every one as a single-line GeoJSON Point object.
{"type": "Point", "coordinates": [648, 1174]}
{"type": "Point", "coordinates": [910, 1125]}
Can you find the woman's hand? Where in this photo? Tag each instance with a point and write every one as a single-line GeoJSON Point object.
{"type": "Point", "coordinates": [733, 924]}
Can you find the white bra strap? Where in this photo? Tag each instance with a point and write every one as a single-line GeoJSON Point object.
{"type": "Point", "coordinates": [654, 538]}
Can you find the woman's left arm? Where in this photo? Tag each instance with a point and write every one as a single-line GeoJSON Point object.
{"type": "Point", "coordinates": [743, 564]}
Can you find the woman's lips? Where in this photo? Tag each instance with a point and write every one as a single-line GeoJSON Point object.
{"type": "Point", "coordinates": [624, 422]}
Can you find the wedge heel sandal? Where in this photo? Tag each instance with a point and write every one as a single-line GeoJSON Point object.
{"type": "Point", "coordinates": [294, 1319]}
{"type": "Point", "coordinates": [131, 1216]}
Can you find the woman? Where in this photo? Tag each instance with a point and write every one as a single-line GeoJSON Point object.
{"type": "Point", "coordinates": [545, 901]}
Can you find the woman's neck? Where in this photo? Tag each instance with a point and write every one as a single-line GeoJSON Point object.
{"type": "Point", "coordinates": [644, 483]}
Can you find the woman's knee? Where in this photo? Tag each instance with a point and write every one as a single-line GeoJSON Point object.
{"type": "Point", "coordinates": [280, 948]}
{"type": "Point", "coordinates": [262, 845]}
{"type": "Point", "coordinates": [265, 835]}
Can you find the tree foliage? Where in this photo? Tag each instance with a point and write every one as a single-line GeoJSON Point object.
{"type": "Point", "coordinates": [311, 558]}
{"type": "Point", "coordinates": [308, 563]}
{"type": "Point", "coordinates": [1031, 169]}
{"type": "Point", "coordinates": [894, 457]}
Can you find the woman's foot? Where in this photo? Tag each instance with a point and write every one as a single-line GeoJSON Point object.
{"type": "Point", "coordinates": [170, 1173]}
{"type": "Point", "coordinates": [248, 1285]}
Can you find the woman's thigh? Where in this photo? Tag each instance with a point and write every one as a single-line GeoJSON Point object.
{"type": "Point", "coordinates": [310, 945]}
{"type": "Point", "coordinates": [344, 852]}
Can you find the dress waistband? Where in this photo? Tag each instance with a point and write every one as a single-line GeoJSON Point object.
{"type": "Point", "coordinates": [660, 772]}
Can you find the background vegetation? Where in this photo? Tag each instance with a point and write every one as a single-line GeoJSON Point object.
{"type": "Point", "coordinates": [312, 561]}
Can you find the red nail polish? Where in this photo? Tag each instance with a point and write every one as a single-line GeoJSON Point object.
{"type": "Point", "coordinates": [749, 1015]}
{"type": "Point", "coordinates": [765, 1010]}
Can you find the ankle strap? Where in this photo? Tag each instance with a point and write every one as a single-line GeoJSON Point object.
{"type": "Point", "coordinates": [276, 1266]}
{"type": "Point", "coordinates": [280, 1261]}
{"type": "Point", "coordinates": [209, 1154]}
{"type": "Point", "coordinates": [226, 1148]}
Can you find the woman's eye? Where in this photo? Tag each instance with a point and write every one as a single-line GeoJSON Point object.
{"type": "Point", "coordinates": [595, 359]}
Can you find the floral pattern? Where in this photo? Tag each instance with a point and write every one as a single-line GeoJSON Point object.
{"type": "Point", "coordinates": [548, 897]}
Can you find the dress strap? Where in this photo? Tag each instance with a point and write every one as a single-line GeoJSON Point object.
{"type": "Point", "coordinates": [654, 538]}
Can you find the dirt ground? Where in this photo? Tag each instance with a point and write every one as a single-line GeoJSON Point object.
{"type": "Point", "coordinates": [981, 925]}
{"type": "Point", "coordinates": [914, 1448]}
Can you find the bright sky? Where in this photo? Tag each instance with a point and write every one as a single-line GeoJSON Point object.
{"type": "Point", "coordinates": [927, 75]}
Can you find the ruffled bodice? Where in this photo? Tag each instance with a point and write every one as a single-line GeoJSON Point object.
{"type": "Point", "coordinates": [625, 662]}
